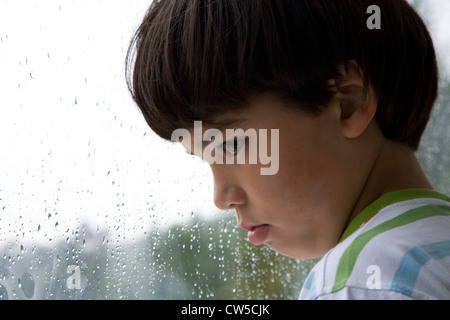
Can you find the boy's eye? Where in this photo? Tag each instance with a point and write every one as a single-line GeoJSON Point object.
{"type": "Point", "coordinates": [232, 147]}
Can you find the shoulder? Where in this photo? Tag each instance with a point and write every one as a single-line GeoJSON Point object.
{"type": "Point", "coordinates": [400, 254]}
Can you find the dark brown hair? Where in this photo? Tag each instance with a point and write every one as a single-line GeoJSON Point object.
{"type": "Point", "coordinates": [193, 59]}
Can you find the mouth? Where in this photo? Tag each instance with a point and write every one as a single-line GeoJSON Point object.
{"type": "Point", "coordinates": [257, 234]}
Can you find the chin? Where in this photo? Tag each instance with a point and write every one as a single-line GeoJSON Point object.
{"type": "Point", "coordinates": [285, 251]}
{"type": "Point", "coordinates": [297, 253]}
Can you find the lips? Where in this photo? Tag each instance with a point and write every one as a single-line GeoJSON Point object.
{"type": "Point", "coordinates": [257, 234]}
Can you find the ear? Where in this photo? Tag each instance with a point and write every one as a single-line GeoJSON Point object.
{"type": "Point", "coordinates": [357, 104]}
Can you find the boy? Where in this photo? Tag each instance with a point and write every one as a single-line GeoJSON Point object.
{"type": "Point", "coordinates": [350, 103]}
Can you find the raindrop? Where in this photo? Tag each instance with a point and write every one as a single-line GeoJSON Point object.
{"type": "Point", "coordinates": [3, 293]}
{"type": "Point", "coordinates": [27, 284]}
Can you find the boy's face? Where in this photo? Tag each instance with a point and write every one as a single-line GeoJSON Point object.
{"type": "Point", "coordinates": [302, 210]}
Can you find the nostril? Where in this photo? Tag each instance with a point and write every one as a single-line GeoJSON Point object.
{"type": "Point", "coordinates": [229, 198]}
{"type": "Point", "coordinates": [220, 204]}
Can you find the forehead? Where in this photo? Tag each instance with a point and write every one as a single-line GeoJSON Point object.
{"type": "Point", "coordinates": [259, 109]}
{"type": "Point", "coordinates": [263, 112]}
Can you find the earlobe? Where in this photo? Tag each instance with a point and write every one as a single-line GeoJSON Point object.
{"type": "Point", "coordinates": [357, 104]}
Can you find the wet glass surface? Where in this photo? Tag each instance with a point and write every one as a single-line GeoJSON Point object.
{"type": "Point", "coordinates": [92, 204]}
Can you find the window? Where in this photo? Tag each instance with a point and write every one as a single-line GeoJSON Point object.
{"type": "Point", "coordinates": [92, 204]}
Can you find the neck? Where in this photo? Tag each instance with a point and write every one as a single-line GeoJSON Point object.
{"type": "Point", "coordinates": [395, 168]}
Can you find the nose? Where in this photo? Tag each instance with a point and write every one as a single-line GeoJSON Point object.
{"type": "Point", "coordinates": [228, 194]}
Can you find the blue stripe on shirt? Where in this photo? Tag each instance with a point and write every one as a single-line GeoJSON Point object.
{"type": "Point", "coordinates": [310, 286]}
{"type": "Point", "coordinates": [406, 275]}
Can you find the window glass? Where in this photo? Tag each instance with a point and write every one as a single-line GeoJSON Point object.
{"type": "Point", "coordinates": [92, 204]}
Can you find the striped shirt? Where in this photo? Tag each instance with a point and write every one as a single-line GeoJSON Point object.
{"type": "Point", "coordinates": [396, 248]}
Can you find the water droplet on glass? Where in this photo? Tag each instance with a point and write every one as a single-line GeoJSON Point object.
{"type": "Point", "coordinates": [27, 284]}
{"type": "Point", "coordinates": [3, 293]}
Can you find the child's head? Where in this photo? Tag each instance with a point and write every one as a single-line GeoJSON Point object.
{"type": "Point", "coordinates": [311, 68]}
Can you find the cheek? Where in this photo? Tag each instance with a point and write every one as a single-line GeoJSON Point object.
{"type": "Point", "coordinates": [308, 179]}
{"type": "Point", "coordinates": [312, 160]}
{"type": "Point", "coordinates": [300, 169]}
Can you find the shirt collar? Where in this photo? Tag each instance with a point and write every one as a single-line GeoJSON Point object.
{"type": "Point", "coordinates": [387, 200]}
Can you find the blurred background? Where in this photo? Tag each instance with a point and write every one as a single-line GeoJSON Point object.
{"type": "Point", "coordinates": [92, 204]}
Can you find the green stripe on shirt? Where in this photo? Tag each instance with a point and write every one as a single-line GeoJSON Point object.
{"type": "Point", "coordinates": [351, 254]}
{"type": "Point", "coordinates": [387, 200]}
